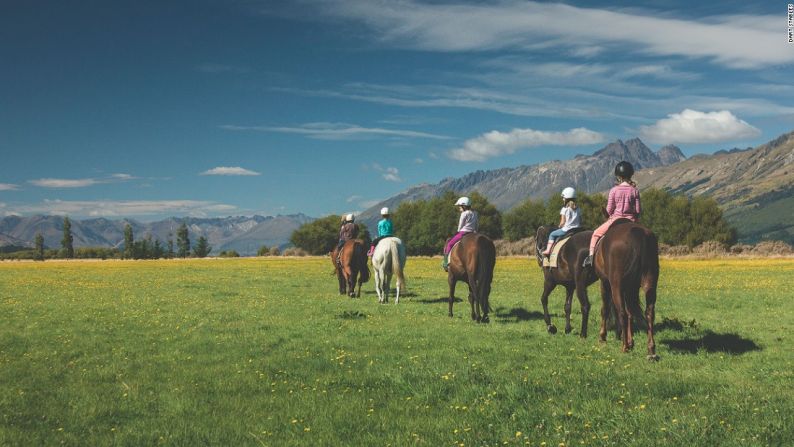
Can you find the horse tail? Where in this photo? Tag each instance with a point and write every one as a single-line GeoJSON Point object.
{"type": "Point", "coordinates": [637, 267]}
{"type": "Point", "coordinates": [397, 262]}
{"type": "Point", "coordinates": [485, 265]}
{"type": "Point", "coordinates": [361, 257]}
{"type": "Point", "coordinates": [649, 260]}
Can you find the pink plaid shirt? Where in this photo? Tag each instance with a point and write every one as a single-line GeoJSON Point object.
{"type": "Point", "coordinates": [624, 201]}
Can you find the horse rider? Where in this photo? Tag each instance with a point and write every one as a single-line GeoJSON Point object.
{"type": "Point", "coordinates": [570, 218]}
{"type": "Point", "coordinates": [348, 231]}
{"type": "Point", "coordinates": [385, 229]}
{"type": "Point", "coordinates": [623, 203]}
{"type": "Point", "coordinates": [468, 223]}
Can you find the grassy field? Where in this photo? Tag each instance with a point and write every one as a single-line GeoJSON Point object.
{"type": "Point", "coordinates": [264, 352]}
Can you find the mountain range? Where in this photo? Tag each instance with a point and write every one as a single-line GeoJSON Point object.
{"type": "Point", "coordinates": [754, 186]}
{"type": "Point", "coordinates": [507, 187]}
{"type": "Point", "coordinates": [240, 233]}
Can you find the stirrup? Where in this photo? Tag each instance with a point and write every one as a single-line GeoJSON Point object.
{"type": "Point", "coordinates": [588, 261]}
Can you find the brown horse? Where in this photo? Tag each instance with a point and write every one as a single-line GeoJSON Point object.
{"type": "Point", "coordinates": [352, 266]}
{"type": "Point", "coordinates": [627, 259]}
{"type": "Point", "coordinates": [473, 260]}
{"type": "Point", "coordinates": [569, 273]}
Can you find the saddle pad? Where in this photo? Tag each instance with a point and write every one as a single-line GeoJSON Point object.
{"type": "Point", "coordinates": [551, 261]}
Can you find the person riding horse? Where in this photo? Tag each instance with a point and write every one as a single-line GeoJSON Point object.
{"type": "Point", "coordinates": [570, 218]}
{"type": "Point", "coordinates": [468, 223]}
{"type": "Point", "coordinates": [623, 203]}
{"type": "Point", "coordinates": [385, 229]}
{"type": "Point", "coordinates": [348, 231]}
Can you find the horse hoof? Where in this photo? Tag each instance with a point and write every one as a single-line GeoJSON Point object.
{"type": "Point", "coordinates": [568, 330]}
{"type": "Point", "coordinates": [485, 320]}
{"type": "Point", "coordinates": [552, 329]}
{"type": "Point", "coordinates": [653, 358]}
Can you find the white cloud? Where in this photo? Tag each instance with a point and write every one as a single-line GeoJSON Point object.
{"type": "Point", "coordinates": [338, 131]}
{"type": "Point", "coordinates": [110, 208]}
{"type": "Point", "coordinates": [353, 198]}
{"type": "Point", "coordinates": [392, 175]}
{"type": "Point", "coordinates": [389, 173]}
{"type": "Point", "coordinates": [692, 126]}
{"type": "Point", "coordinates": [495, 143]}
{"type": "Point", "coordinates": [229, 170]}
{"type": "Point", "coordinates": [59, 183]}
{"type": "Point", "coordinates": [8, 187]}
{"type": "Point", "coordinates": [737, 41]}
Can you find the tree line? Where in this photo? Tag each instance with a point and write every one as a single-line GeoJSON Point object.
{"type": "Point", "coordinates": [425, 225]}
{"type": "Point", "coordinates": [146, 248]}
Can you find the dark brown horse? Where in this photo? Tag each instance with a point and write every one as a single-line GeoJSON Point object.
{"type": "Point", "coordinates": [473, 260]}
{"type": "Point", "coordinates": [352, 267]}
{"type": "Point", "coordinates": [569, 273]}
{"type": "Point", "coordinates": [627, 259]}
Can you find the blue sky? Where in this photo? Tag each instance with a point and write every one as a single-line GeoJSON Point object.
{"type": "Point", "coordinates": [215, 108]}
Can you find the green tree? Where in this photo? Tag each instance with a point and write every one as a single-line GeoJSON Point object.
{"type": "Point", "coordinates": [202, 248]}
{"type": "Point", "coordinates": [524, 220]}
{"type": "Point", "coordinates": [320, 236]}
{"type": "Point", "coordinates": [680, 220]}
{"type": "Point", "coordinates": [169, 253]}
{"type": "Point", "coordinates": [68, 239]}
{"type": "Point", "coordinates": [425, 225]}
{"type": "Point", "coordinates": [182, 241]}
{"type": "Point", "coordinates": [39, 252]}
{"type": "Point", "coordinates": [129, 242]}
{"type": "Point", "coordinates": [263, 251]}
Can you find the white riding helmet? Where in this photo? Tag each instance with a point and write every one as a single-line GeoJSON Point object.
{"type": "Point", "coordinates": [568, 193]}
{"type": "Point", "coordinates": [350, 218]}
{"type": "Point", "coordinates": [463, 201]}
{"type": "Point", "coordinates": [384, 211]}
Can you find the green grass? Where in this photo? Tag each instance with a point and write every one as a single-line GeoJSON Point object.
{"type": "Point", "coordinates": [264, 352]}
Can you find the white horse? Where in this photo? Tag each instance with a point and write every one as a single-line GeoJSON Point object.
{"type": "Point", "coordinates": [388, 259]}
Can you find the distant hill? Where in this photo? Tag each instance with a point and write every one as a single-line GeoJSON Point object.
{"type": "Point", "coordinates": [507, 187]}
{"type": "Point", "coordinates": [754, 186]}
{"type": "Point", "coordinates": [241, 233]}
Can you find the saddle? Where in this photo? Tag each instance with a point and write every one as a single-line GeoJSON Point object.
{"type": "Point", "coordinates": [614, 224]}
{"type": "Point", "coordinates": [551, 260]}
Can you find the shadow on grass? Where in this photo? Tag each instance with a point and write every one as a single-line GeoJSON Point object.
{"type": "Point", "coordinates": [713, 342]}
{"type": "Point", "coordinates": [443, 299]}
{"type": "Point", "coordinates": [516, 315]}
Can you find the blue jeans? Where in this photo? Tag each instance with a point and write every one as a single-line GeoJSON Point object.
{"type": "Point", "coordinates": [554, 235]}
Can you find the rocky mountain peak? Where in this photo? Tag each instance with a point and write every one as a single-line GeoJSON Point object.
{"type": "Point", "coordinates": [670, 154]}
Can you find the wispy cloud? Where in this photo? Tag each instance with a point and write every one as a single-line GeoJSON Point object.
{"type": "Point", "coordinates": [8, 187]}
{"type": "Point", "coordinates": [391, 174]}
{"type": "Point", "coordinates": [60, 183]}
{"type": "Point", "coordinates": [109, 208]}
{"type": "Point", "coordinates": [338, 131]}
{"type": "Point", "coordinates": [495, 143]}
{"type": "Point", "coordinates": [222, 68]}
{"type": "Point", "coordinates": [692, 126]}
{"type": "Point", "coordinates": [737, 41]}
{"type": "Point", "coordinates": [229, 170]}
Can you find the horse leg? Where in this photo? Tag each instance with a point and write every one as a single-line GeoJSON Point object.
{"type": "Point", "coordinates": [568, 303]}
{"type": "Point", "coordinates": [340, 276]}
{"type": "Point", "coordinates": [606, 300]}
{"type": "Point", "coordinates": [351, 284]}
{"type": "Point", "coordinates": [451, 279]}
{"type": "Point", "coordinates": [631, 294]}
{"type": "Point", "coordinates": [620, 310]}
{"type": "Point", "coordinates": [473, 300]}
{"type": "Point", "coordinates": [377, 285]}
{"type": "Point", "coordinates": [650, 315]}
{"type": "Point", "coordinates": [548, 286]}
{"type": "Point", "coordinates": [387, 286]}
{"type": "Point", "coordinates": [584, 302]}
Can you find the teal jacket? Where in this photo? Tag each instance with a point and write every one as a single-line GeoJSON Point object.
{"type": "Point", "coordinates": [385, 228]}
